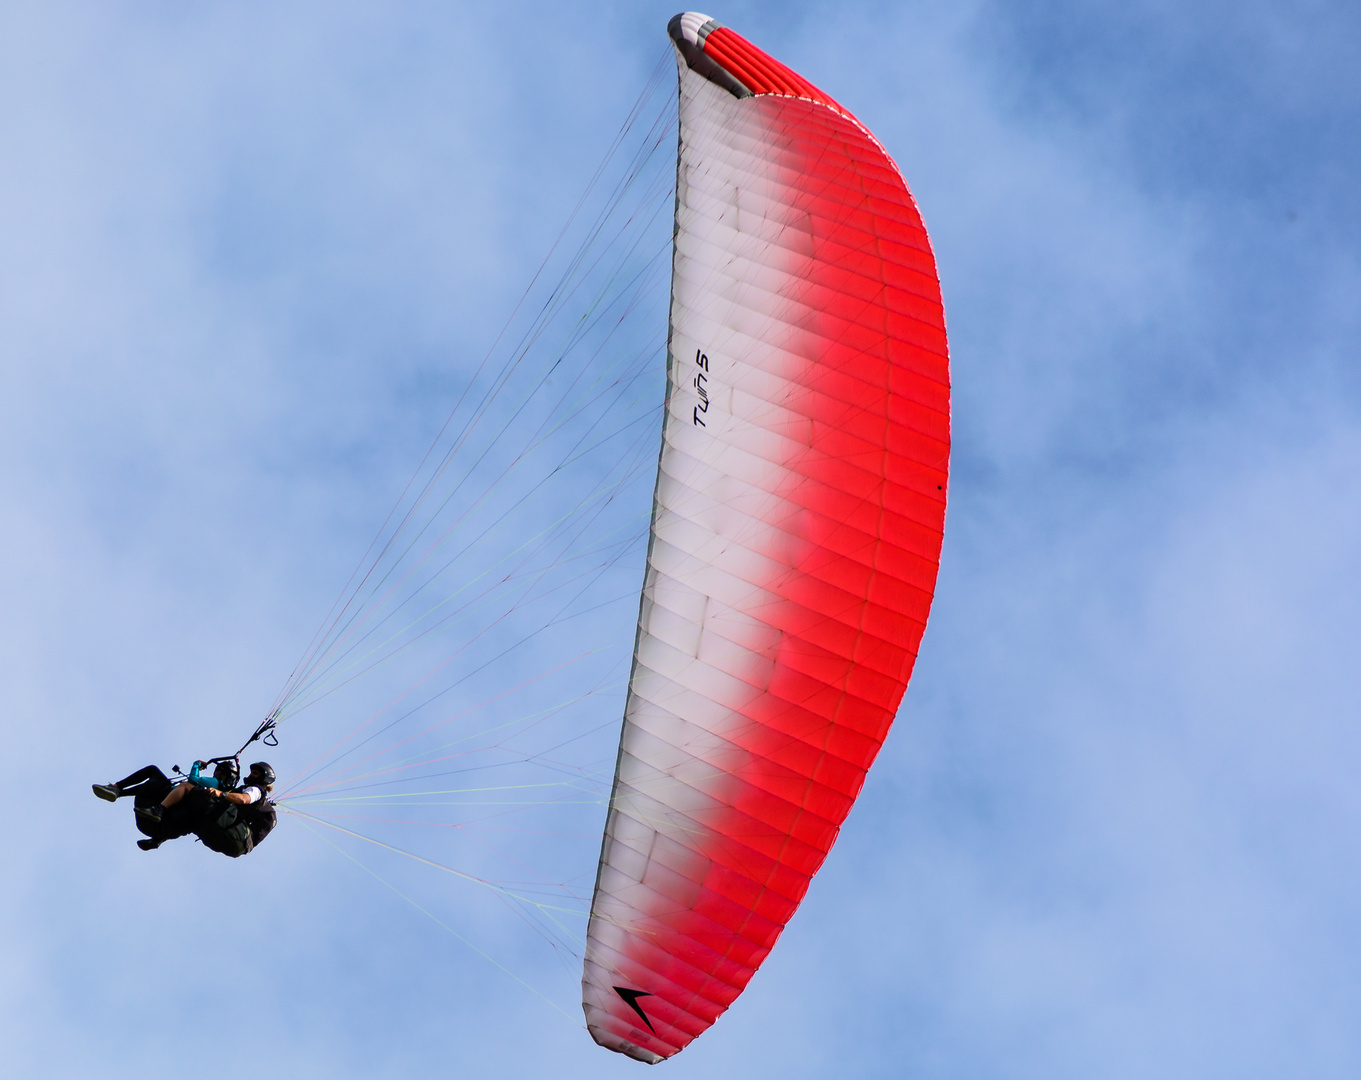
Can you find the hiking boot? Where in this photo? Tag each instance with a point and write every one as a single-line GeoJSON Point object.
{"type": "Point", "coordinates": [107, 792]}
{"type": "Point", "coordinates": [148, 844]}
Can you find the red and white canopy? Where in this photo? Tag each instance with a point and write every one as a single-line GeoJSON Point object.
{"type": "Point", "coordinates": [796, 537]}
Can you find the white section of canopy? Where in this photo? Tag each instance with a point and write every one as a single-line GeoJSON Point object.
{"type": "Point", "coordinates": [701, 638]}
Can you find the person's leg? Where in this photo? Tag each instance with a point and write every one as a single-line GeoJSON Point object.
{"type": "Point", "coordinates": [179, 814]}
{"type": "Point", "coordinates": [140, 777]}
{"type": "Point", "coordinates": [130, 785]}
{"type": "Point", "coordinates": [161, 825]}
{"type": "Point", "coordinates": [169, 817]}
{"type": "Point", "coordinates": [151, 791]}
{"type": "Point", "coordinates": [176, 794]}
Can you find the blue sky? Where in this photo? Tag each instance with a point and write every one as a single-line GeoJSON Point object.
{"type": "Point", "coordinates": [245, 251]}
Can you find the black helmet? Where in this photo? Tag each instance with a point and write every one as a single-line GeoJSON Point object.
{"type": "Point", "coordinates": [261, 771]}
{"type": "Point", "coordinates": [228, 773]}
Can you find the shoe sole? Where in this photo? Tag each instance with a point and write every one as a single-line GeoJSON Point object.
{"type": "Point", "coordinates": [105, 793]}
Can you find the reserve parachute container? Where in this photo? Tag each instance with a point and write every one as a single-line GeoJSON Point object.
{"type": "Point", "coordinates": [796, 535]}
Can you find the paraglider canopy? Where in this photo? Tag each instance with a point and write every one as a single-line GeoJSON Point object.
{"type": "Point", "coordinates": [796, 535]}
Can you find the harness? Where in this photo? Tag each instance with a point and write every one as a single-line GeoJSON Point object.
{"type": "Point", "coordinates": [235, 829]}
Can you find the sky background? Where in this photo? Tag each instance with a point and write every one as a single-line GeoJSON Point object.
{"type": "Point", "coordinates": [245, 250]}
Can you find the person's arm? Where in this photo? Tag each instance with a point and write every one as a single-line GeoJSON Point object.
{"type": "Point", "coordinates": [244, 797]}
{"type": "Point", "coordinates": [201, 781]}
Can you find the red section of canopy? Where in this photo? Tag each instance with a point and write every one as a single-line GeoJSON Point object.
{"type": "Point", "coordinates": [758, 72]}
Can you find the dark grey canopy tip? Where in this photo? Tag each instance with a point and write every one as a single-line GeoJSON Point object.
{"type": "Point", "coordinates": [700, 63]}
